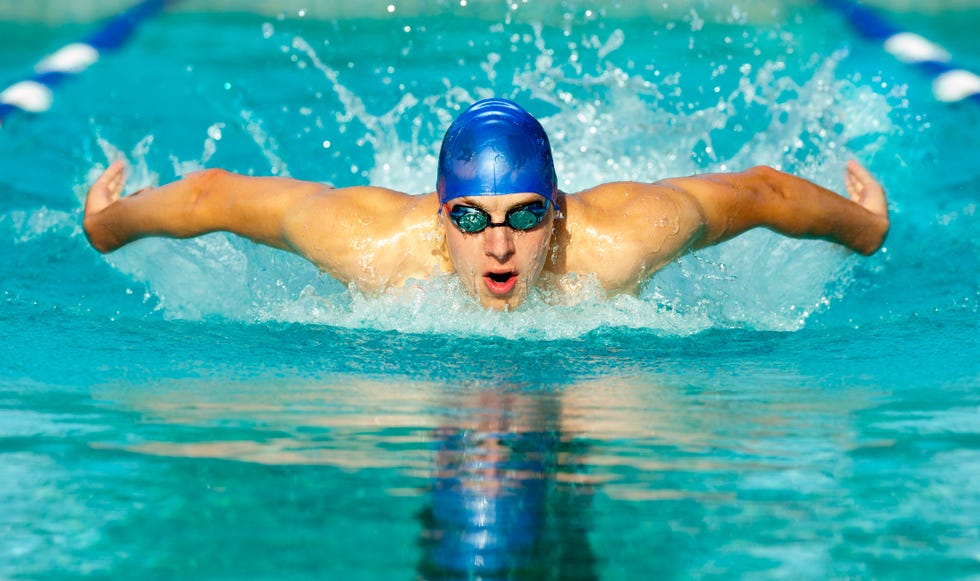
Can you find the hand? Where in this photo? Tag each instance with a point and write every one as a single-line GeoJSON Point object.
{"type": "Point", "coordinates": [864, 190]}
{"type": "Point", "coordinates": [104, 192]}
{"type": "Point", "coordinates": [106, 188]}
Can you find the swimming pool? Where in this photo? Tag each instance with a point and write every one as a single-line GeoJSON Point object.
{"type": "Point", "coordinates": [769, 409]}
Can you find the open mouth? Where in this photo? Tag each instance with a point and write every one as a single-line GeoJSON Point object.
{"type": "Point", "coordinates": [500, 283]}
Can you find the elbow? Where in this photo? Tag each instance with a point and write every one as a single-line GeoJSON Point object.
{"type": "Point", "coordinates": [774, 200]}
{"type": "Point", "coordinates": [762, 171]}
{"type": "Point", "coordinates": [766, 180]}
{"type": "Point", "coordinates": [202, 183]}
{"type": "Point", "coordinates": [201, 204]}
{"type": "Point", "coordinates": [764, 174]}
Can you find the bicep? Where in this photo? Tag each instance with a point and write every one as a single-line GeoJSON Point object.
{"type": "Point", "coordinates": [728, 204]}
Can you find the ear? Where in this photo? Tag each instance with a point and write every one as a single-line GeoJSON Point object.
{"type": "Point", "coordinates": [441, 248]}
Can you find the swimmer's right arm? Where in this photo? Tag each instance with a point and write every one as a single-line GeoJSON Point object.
{"type": "Point", "coordinates": [207, 201]}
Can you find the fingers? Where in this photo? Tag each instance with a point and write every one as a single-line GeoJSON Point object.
{"type": "Point", "coordinates": [854, 180]}
{"type": "Point", "coordinates": [864, 189]}
{"type": "Point", "coordinates": [107, 188]}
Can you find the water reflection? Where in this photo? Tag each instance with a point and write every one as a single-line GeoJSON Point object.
{"type": "Point", "coordinates": [498, 472]}
{"type": "Point", "coordinates": [507, 500]}
{"type": "Point", "coordinates": [631, 475]}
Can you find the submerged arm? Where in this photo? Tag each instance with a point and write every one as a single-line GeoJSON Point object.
{"type": "Point", "coordinates": [735, 203]}
{"type": "Point", "coordinates": [207, 201]}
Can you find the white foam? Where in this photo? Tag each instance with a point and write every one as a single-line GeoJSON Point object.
{"type": "Point", "coordinates": [33, 225]}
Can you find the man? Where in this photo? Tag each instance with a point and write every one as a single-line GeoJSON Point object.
{"type": "Point", "coordinates": [497, 219]}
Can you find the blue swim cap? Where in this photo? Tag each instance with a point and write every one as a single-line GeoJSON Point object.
{"type": "Point", "coordinates": [495, 147]}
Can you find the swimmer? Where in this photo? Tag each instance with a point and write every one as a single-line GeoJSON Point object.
{"type": "Point", "coordinates": [497, 219]}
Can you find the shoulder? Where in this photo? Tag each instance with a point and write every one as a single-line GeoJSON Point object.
{"type": "Point", "coordinates": [373, 237]}
{"type": "Point", "coordinates": [624, 231]}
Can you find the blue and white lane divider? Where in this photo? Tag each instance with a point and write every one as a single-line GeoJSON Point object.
{"type": "Point", "coordinates": [949, 82]}
{"type": "Point", "coordinates": [35, 93]}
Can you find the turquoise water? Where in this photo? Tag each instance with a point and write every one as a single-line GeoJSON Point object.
{"type": "Point", "coordinates": [770, 408]}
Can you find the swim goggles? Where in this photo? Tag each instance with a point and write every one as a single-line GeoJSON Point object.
{"type": "Point", "coordinates": [473, 220]}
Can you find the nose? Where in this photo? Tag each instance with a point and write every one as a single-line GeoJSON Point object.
{"type": "Point", "coordinates": [499, 243]}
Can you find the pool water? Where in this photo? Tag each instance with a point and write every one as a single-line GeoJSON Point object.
{"type": "Point", "coordinates": [769, 408]}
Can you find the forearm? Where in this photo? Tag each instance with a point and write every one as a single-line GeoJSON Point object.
{"type": "Point", "coordinates": [173, 210]}
{"type": "Point", "coordinates": [797, 207]}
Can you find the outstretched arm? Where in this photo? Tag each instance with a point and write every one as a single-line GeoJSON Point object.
{"type": "Point", "coordinates": [207, 201]}
{"type": "Point", "coordinates": [372, 237]}
{"type": "Point", "coordinates": [734, 203]}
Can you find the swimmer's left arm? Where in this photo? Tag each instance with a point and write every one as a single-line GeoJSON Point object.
{"type": "Point", "coordinates": [731, 204]}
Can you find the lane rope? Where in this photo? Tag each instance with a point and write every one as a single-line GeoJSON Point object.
{"type": "Point", "coordinates": [950, 83]}
{"type": "Point", "coordinates": [35, 94]}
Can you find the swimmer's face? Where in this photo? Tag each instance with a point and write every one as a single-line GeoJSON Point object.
{"type": "Point", "coordinates": [500, 265]}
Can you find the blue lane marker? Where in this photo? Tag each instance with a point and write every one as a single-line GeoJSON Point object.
{"type": "Point", "coordinates": [35, 95]}
{"type": "Point", "coordinates": [950, 83]}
